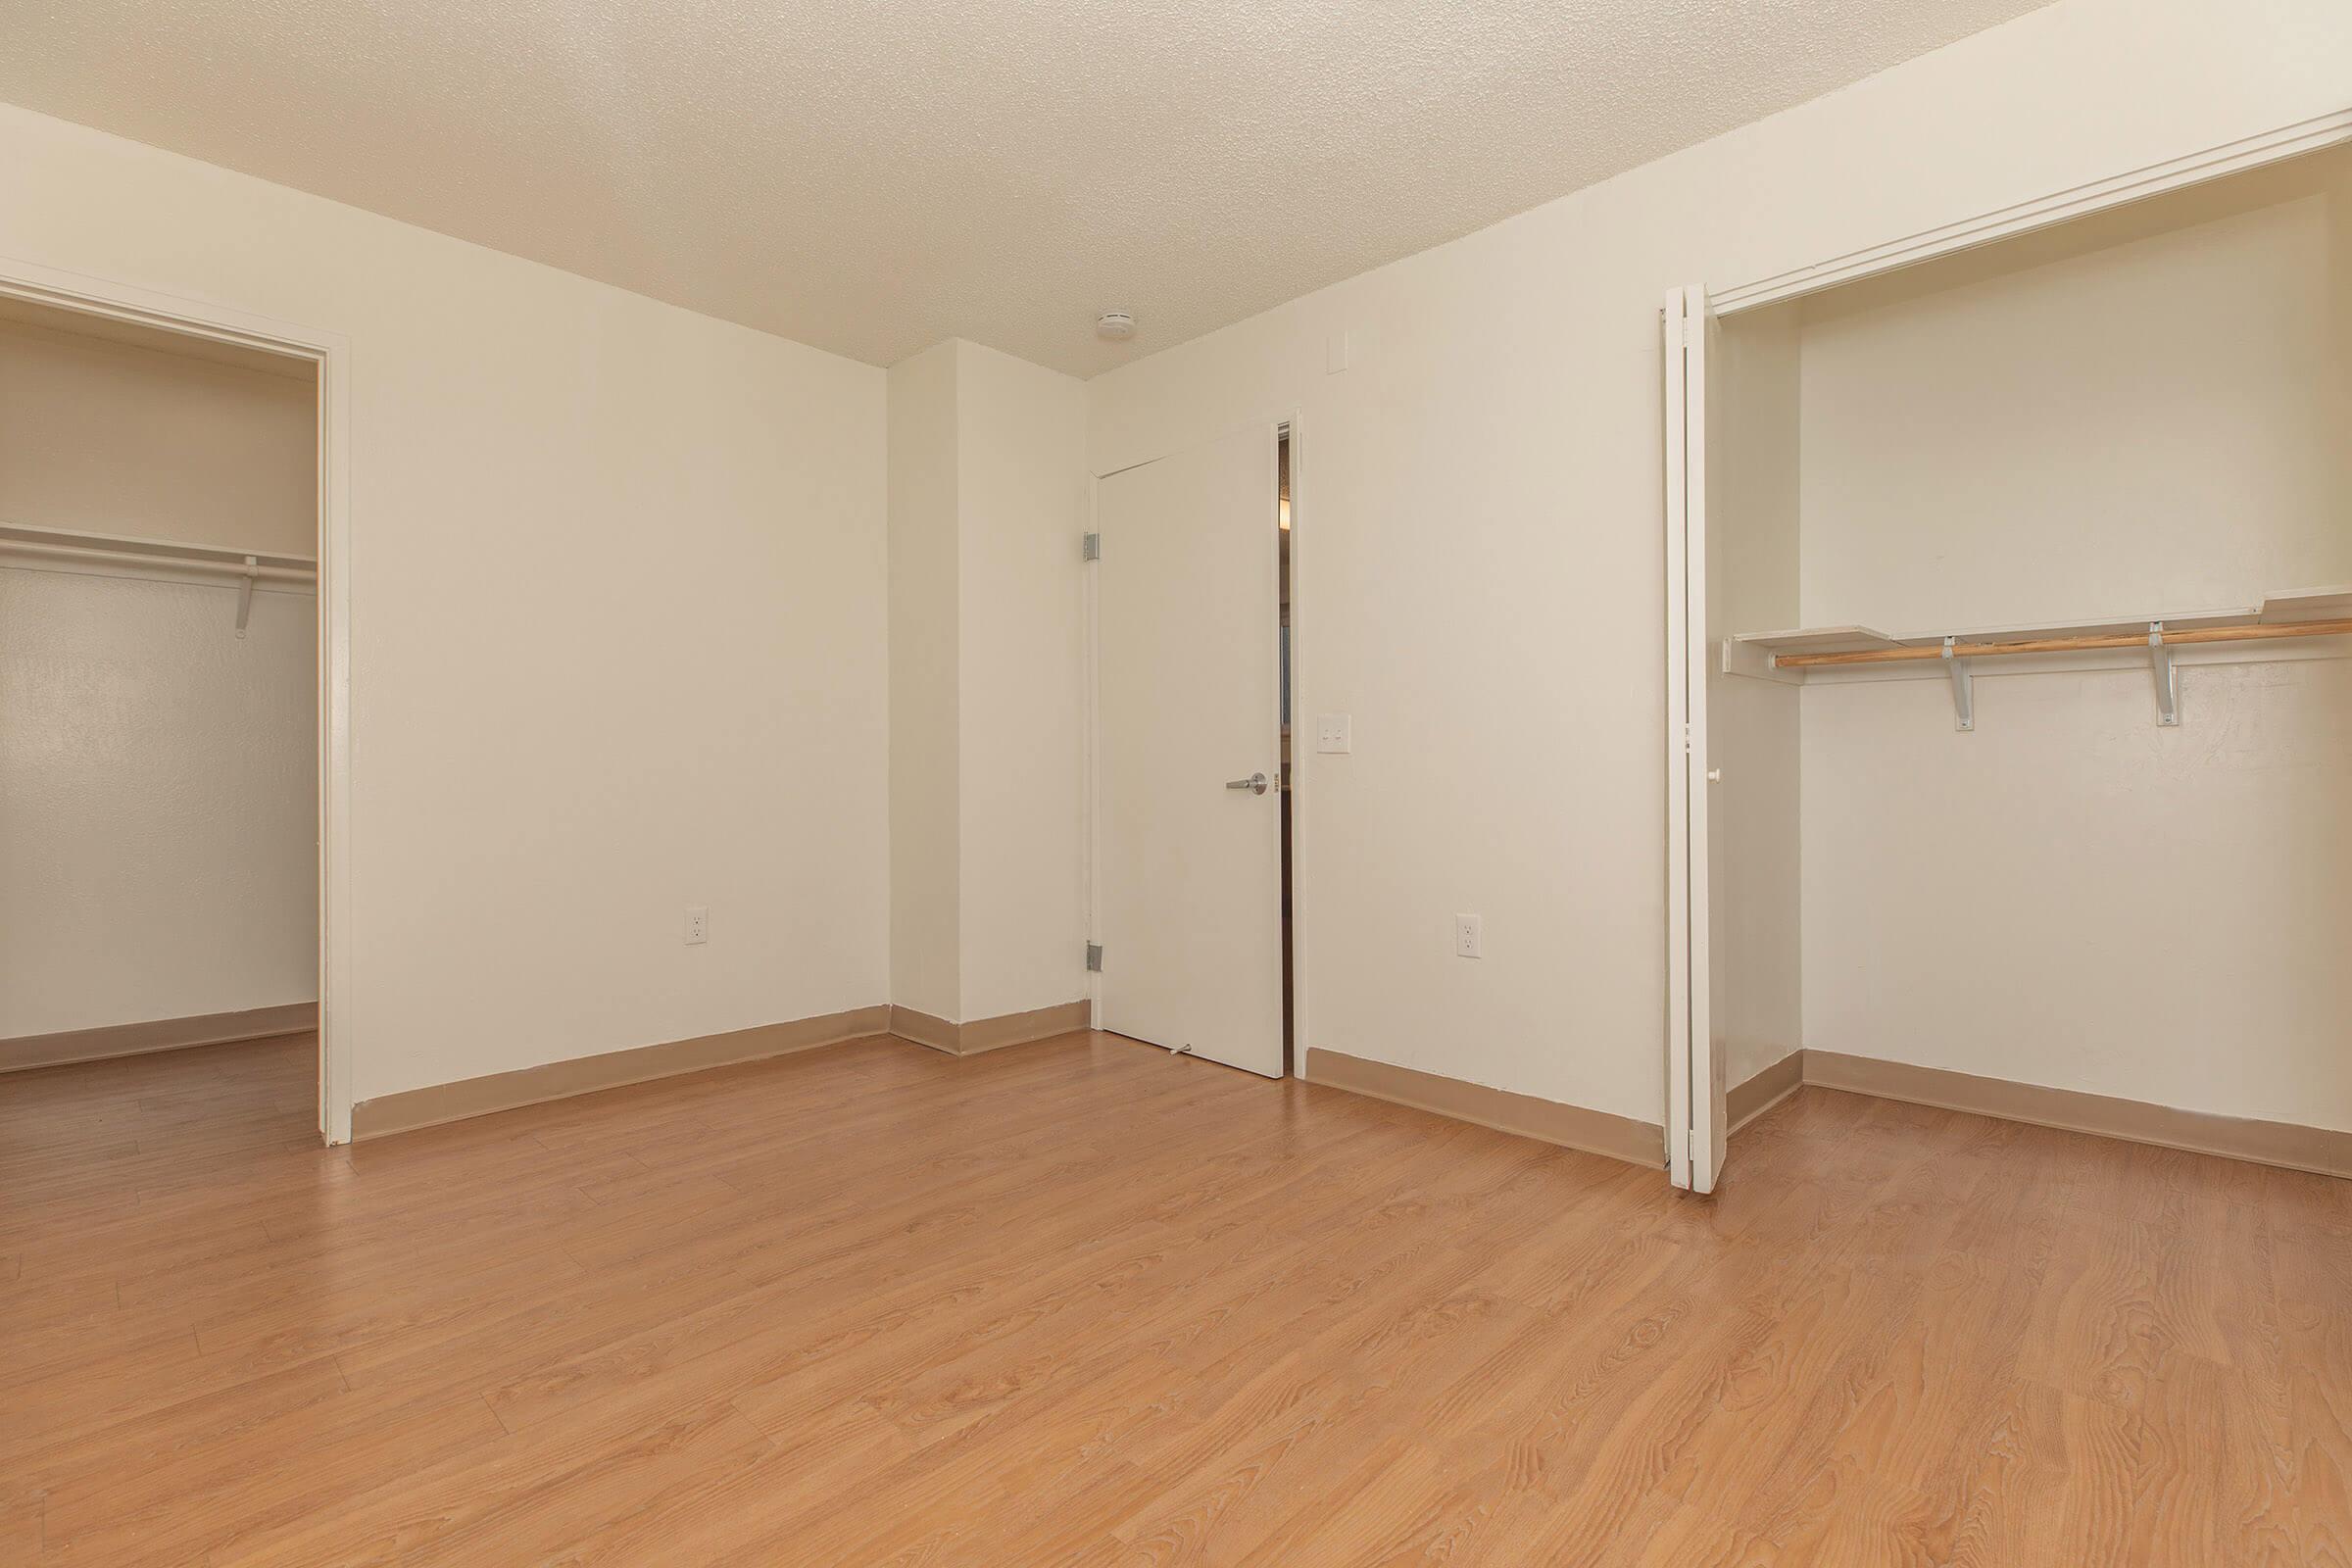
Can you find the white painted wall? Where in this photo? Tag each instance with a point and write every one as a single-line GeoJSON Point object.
{"type": "Point", "coordinates": [1755, 839]}
{"type": "Point", "coordinates": [925, 826]}
{"type": "Point", "coordinates": [2073, 897]}
{"type": "Point", "coordinates": [158, 801]}
{"type": "Point", "coordinates": [618, 620]}
{"type": "Point", "coordinates": [988, 499]}
{"type": "Point", "coordinates": [2126, 416]}
{"type": "Point", "coordinates": [1021, 464]}
{"type": "Point", "coordinates": [1480, 547]}
{"type": "Point", "coordinates": [2141, 417]}
{"type": "Point", "coordinates": [110, 438]}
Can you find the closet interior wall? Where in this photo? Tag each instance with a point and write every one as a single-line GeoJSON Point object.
{"type": "Point", "coordinates": [159, 768]}
{"type": "Point", "coordinates": [2131, 414]}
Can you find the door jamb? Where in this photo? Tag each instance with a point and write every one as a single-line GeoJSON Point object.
{"type": "Point", "coordinates": [1295, 772]}
{"type": "Point", "coordinates": [330, 353]}
{"type": "Point", "coordinates": [1090, 742]}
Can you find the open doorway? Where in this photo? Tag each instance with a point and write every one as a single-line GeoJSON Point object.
{"type": "Point", "coordinates": [160, 715]}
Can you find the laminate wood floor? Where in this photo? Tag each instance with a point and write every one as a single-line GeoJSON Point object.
{"type": "Point", "coordinates": [1083, 1303]}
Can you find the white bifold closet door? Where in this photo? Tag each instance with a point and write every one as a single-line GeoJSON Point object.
{"type": "Point", "coordinates": [1189, 757]}
{"type": "Point", "coordinates": [1694, 1087]}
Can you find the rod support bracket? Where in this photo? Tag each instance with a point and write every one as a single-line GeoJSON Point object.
{"type": "Point", "coordinates": [245, 593]}
{"type": "Point", "coordinates": [1964, 689]}
{"type": "Point", "coordinates": [2168, 676]}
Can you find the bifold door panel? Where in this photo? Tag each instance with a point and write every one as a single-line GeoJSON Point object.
{"type": "Point", "coordinates": [1695, 1089]}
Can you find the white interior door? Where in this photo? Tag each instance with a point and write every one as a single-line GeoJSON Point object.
{"type": "Point", "coordinates": [1695, 1105]}
{"type": "Point", "coordinates": [1187, 737]}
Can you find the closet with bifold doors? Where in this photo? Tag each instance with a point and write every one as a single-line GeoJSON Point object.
{"type": "Point", "coordinates": [2009, 667]}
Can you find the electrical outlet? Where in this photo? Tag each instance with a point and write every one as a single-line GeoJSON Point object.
{"type": "Point", "coordinates": [1469, 937]}
{"type": "Point", "coordinates": [698, 924]}
{"type": "Point", "coordinates": [1335, 734]}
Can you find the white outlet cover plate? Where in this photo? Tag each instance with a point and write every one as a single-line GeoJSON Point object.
{"type": "Point", "coordinates": [1469, 937]}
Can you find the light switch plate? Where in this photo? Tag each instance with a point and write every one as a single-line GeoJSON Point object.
{"type": "Point", "coordinates": [1334, 734]}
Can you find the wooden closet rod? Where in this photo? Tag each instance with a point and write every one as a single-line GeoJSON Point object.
{"type": "Point", "coordinates": [218, 563]}
{"type": "Point", "coordinates": [2069, 645]}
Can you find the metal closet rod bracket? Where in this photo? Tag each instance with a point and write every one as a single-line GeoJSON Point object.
{"type": "Point", "coordinates": [253, 569]}
{"type": "Point", "coordinates": [1964, 688]}
{"type": "Point", "coordinates": [2168, 677]}
{"type": "Point", "coordinates": [2160, 659]}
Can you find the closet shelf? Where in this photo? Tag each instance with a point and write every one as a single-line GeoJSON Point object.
{"type": "Point", "coordinates": [1789, 655]}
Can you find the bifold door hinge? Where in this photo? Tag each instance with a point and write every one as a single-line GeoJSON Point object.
{"type": "Point", "coordinates": [1094, 958]}
{"type": "Point", "coordinates": [1090, 547]}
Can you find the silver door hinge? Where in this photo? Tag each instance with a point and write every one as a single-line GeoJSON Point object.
{"type": "Point", "coordinates": [1094, 958]}
{"type": "Point", "coordinates": [1090, 547]}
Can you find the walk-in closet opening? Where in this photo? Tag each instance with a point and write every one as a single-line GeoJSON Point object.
{"type": "Point", "coordinates": [159, 703]}
{"type": "Point", "coordinates": [2027, 708]}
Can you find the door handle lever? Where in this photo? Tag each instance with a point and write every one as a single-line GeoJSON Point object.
{"type": "Point", "coordinates": [1255, 783]}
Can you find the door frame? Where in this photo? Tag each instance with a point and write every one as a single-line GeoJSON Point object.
{"type": "Point", "coordinates": [1295, 778]}
{"type": "Point", "coordinates": [2245, 152]}
{"type": "Point", "coordinates": [1298, 802]}
{"type": "Point", "coordinates": [2292, 140]}
{"type": "Point", "coordinates": [330, 353]}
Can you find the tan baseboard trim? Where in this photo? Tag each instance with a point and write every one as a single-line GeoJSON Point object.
{"type": "Point", "coordinates": [1595, 1132]}
{"type": "Point", "coordinates": [1747, 1101]}
{"type": "Point", "coordinates": [2292, 1147]}
{"type": "Point", "coordinates": [990, 1033]}
{"type": "Point", "coordinates": [1022, 1028]}
{"type": "Point", "coordinates": [436, 1103]}
{"type": "Point", "coordinates": [921, 1029]}
{"type": "Point", "coordinates": [68, 1046]}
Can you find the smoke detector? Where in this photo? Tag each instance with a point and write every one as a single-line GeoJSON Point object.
{"type": "Point", "coordinates": [1117, 326]}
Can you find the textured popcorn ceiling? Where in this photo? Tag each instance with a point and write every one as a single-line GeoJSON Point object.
{"type": "Point", "coordinates": [874, 177]}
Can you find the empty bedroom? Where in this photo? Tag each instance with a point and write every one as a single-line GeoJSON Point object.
{"type": "Point", "coordinates": [1030, 785]}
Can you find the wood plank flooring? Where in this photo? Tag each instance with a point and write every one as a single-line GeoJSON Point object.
{"type": "Point", "coordinates": [1081, 1303]}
